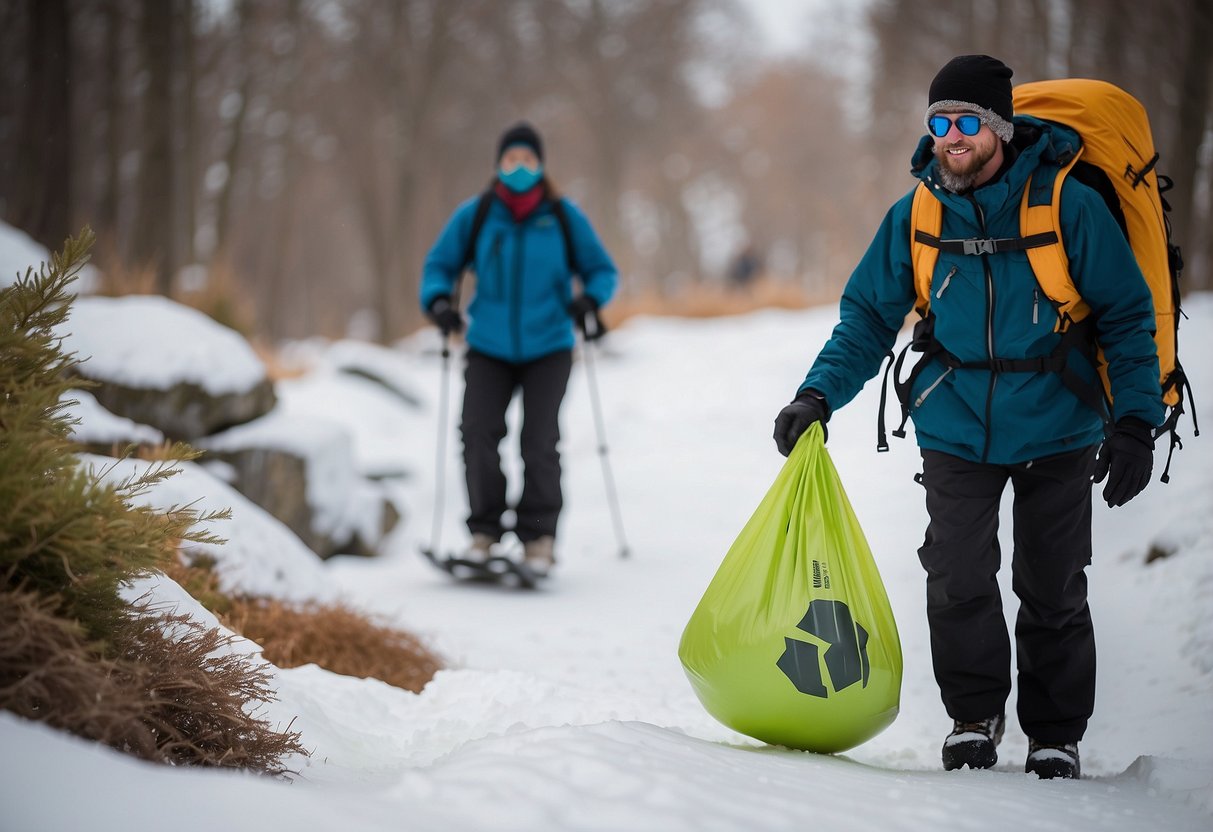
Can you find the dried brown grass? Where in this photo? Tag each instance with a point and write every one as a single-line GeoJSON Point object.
{"type": "Point", "coordinates": [49, 673]}
{"type": "Point", "coordinates": [184, 700]}
{"type": "Point", "coordinates": [202, 700]}
{"type": "Point", "coordinates": [199, 578]}
{"type": "Point", "coordinates": [276, 369]}
{"type": "Point", "coordinates": [220, 296]}
{"type": "Point", "coordinates": [116, 277]}
{"type": "Point", "coordinates": [332, 636]}
{"type": "Point", "coordinates": [336, 638]}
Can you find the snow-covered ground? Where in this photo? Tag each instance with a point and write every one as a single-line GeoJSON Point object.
{"type": "Point", "coordinates": [566, 708]}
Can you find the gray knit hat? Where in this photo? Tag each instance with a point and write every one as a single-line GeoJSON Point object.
{"type": "Point", "coordinates": [979, 84]}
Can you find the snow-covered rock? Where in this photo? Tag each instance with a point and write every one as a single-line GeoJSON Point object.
{"type": "Point", "coordinates": [301, 470]}
{"type": "Point", "coordinates": [261, 556]}
{"type": "Point", "coordinates": [163, 364]}
{"type": "Point", "coordinates": [18, 252]}
{"type": "Point", "coordinates": [382, 365]}
{"type": "Point", "coordinates": [101, 430]}
{"type": "Point", "coordinates": [372, 391]}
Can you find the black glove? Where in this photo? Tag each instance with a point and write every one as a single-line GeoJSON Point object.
{"type": "Point", "coordinates": [1126, 458]}
{"type": "Point", "coordinates": [584, 312]}
{"type": "Point", "coordinates": [807, 408]}
{"type": "Point", "coordinates": [445, 316]}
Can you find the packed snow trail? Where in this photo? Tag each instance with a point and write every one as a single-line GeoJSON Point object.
{"type": "Point", "coordinates": [566, 708]}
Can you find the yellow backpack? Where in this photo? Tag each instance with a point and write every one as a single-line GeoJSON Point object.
{"type": "Point", "coordinates": [1117, 146]}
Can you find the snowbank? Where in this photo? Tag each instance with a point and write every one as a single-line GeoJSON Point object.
{"type": "Point", "coordinates": [18, 252]}
{"type": "Point", "coordinates": [566, 708]}
{"type": "Point", "coordinates": [344, 505]}
{"type": "Point", "coordinates": [97, 426]}
{"type": "Point", "coordinates": [151, 341]}
{"type": "Point", "coordinates": [261, 556]}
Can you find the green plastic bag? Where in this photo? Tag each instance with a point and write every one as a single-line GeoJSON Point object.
{"type": "Point", "coordinates": [794, 641]}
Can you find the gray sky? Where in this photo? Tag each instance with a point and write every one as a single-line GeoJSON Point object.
{"type": "Point", "coordinates": [784, 23]}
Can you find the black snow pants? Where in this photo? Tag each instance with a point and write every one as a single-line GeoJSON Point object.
{"type": "Point", "coordinates": [1054, 637]}
{"type": "Point", "coordinates": [490, 385]}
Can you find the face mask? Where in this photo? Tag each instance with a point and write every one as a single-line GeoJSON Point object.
{"type": "Point", "coordinates": [520, 178]}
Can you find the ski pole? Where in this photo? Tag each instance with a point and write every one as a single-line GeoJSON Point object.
{"type": "Point", "coordinates": [440, 462]}
{"type": "Point", "coordinates": [588, 351]}
{"type": "Point", "coordinates": [444, 398]}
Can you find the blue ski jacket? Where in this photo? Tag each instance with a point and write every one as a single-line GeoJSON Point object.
{"type": "Point", "coordinates": [523, 282]}
{"type": "Point", "coordinates": [992, 306]}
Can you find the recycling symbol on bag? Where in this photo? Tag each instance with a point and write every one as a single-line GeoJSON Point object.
{"type": "Point", "coordinates": [846, 658]}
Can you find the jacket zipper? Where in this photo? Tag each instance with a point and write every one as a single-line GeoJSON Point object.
{"type": "Point", "coordinates": [516, 294]}
{"type": "Point", "coordinates": [923, 397]}
{"type": "Point", "coordinates": [985, 262]}
{"type": "Point", "coordinates": [946, 281]}
{"type": "Point", "coordinates": [498, 272]}
{"type": "Point", "coordinates": [1035, 305]}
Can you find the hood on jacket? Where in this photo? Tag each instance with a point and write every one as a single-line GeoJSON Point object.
{"type": "Point", "coordinates": [1038, 142]}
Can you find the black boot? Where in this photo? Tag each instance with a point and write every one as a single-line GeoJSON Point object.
{"type": "Point", "coordinates": [1048, 761]}
{"type": "Point", "coordinates": [973, 744]}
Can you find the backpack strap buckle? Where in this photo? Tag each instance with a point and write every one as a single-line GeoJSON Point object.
{"type": "Point", "coordinates": [1042, 364]}
{"type": "Point", "coordinates": [976, 246]}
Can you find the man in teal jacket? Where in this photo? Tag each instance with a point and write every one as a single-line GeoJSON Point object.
{"type": "Point", "coordinates": [979, 428]}
{"type": "Point", "coordinates": [527, 252]}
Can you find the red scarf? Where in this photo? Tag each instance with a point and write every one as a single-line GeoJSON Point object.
{"type": "Point", "coordinates": [521, 205]}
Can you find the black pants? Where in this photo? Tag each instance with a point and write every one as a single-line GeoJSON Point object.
{"type": "Point", "coordinates": [1054, 638]}
{"type": "Point", "coordinates": [491, 384]}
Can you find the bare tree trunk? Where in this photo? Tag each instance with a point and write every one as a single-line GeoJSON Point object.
{"type": "Point", "coordinates": [421, 56]}
{"type": "Point", "coordinates": [287, 303]}
{"type": "Point", "coordinates": [1080, 59]}
{"type": "Point", "coordinates": [373, 224]}
{"type": "Point", "coordinates": [1201, 274]}
{"type": "Point", "coordinates": [153, 232]}
{"type": "Point", "coordinates": [189, 132]}
{"type": "Point", "coordinates": [1041, 36]}
{"type": "Point", "coordinates": [235, 129]}
{"type": "Point", "coordinates": [107, 225]}
{"type": "Point", "coordinates": [1196, 98]}
{"type": "Point", "coordinates": [43, 196]}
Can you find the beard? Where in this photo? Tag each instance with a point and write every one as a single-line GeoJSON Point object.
{"type": "Point", "coordinates": [959, 173]}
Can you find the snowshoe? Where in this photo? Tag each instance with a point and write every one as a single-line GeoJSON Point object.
{"type": "Point", "coordinates": [496, 569]}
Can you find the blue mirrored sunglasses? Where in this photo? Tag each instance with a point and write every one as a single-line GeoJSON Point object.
{"type": "Point", "coordinates": [968, 124]}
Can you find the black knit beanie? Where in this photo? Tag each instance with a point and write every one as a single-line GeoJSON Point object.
{"type": "Point", "coordinates": [978, 83]}
{"type": "Point", "coordinates": [520, 133]}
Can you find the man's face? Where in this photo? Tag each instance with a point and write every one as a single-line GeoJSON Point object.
{"type": "Point", "coordinates": [964, 156]}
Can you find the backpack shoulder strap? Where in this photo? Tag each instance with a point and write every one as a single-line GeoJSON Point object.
{"type": "Point", "coordinates": [1040, 213]}
{"type": "Point", "coordinates": [562, 219]}
{"type": "Point", "coordinates": [926, 218]}
{"type": "Point", "coordinates": [482, 211]}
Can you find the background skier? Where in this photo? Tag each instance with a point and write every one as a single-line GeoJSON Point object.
{"type": "Point", "coordinates": [520, 336]}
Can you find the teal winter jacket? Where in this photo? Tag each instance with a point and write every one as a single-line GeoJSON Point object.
{"type": "Point", "coordinates": [992, 306]}
{"type": "Point", "coordinates": [523, 283]}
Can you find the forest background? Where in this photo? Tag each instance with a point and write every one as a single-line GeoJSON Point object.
{"type": "Point", "coordinates": [285, 164]}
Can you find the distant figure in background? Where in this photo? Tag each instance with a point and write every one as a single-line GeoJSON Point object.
{"type": "Point", "coordinates": [525, 242]}
{"type": "Point", "coordinates": [746, 266]}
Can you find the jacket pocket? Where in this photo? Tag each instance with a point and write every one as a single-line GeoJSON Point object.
{"type": "Point", "coordinates": [945, 283]}
{"type": "Point", "coordinates": [922, 397]}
